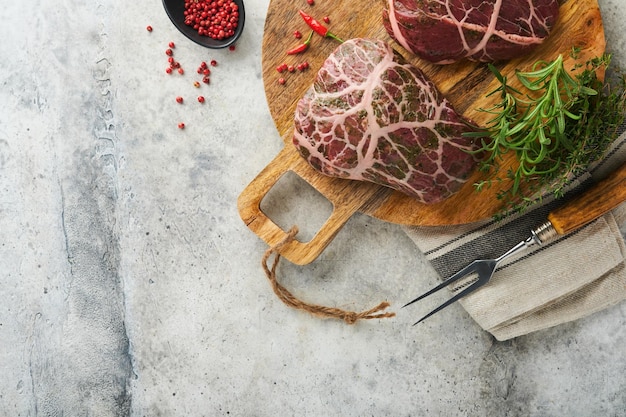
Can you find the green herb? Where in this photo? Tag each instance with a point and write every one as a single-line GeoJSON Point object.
{"type": "Point", "coordinates": [556, 128]}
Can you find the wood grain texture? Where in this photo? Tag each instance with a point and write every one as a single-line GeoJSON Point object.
{"type": "Point", "coordinates": [347, 198]}
{"type": "Point", "coordinates": [603, 197]}
{"type": "Point", "coordinates": [465, 84]}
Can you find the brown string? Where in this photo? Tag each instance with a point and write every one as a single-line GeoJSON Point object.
{"type": "Point", "coordinates": [288, 298]}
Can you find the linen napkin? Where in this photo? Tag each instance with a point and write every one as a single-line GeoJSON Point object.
{"type": "Point", "coordinates": [572, 277]}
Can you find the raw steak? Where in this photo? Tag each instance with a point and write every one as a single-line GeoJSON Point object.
{"type": "Point", "coordinates": [372, 116]}
{"type": "Point", "coordinates": [446, 31]}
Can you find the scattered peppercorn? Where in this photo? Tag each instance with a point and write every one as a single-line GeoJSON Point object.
{"type": "Point", "coordinates": [181, 71]}
{"type": "Point", "coordinates": [326, 19]}
{"type": "Point", "coordinates": [213, 63]}
{"type": "Point", "coordinates": [196, 84]}
{"type": "Point", "coordinates": [179, 99]}
{"type": "Point", "coordinates": [149, 28]}
{"type": "Point", "coordinates": [172, 45]}
{"type": "Point", "coordinates": [206, 80]}
{"type": "Point", "coordinates": [297, 34]}
{"type": "Point", "coordinates": [168, 70]}
{"type": "Point", "coordinates": [231, 47]}
{"type": "Point", "coordinates": [169, 52]}
{"type": "Point", "coordinates": [302, 66]}
{"type": "Point", "coordinates": [281, 81]}
{"type": "Point", "coordinates": [201, 99]}
{"type": "Point", "coordinates": [310, 2]}
{"type": "Point", "coordinates": [181, 125]}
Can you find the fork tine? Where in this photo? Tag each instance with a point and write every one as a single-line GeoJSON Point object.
{"type": "Point", "coordinates": [484, 268]}
{"type": "Point", "coordinates": [458, 275]}
{"type": "Point", "coordinates": [456, 297]}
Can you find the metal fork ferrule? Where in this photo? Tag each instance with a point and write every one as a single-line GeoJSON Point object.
{"type": "Point", "coordinates": [544, 233]}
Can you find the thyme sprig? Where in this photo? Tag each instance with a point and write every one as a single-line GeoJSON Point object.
{"type": "Point", "coordinates": [557, 127]}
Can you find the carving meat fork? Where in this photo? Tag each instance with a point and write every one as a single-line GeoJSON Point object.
{"type": "Point", "coordinates": [578, 212]}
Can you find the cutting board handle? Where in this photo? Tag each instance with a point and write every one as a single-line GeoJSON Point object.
{"type": "Point", "coordinates": [300, 253]}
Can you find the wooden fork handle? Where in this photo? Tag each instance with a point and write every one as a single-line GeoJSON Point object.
{"type": "Point", "coordinates": [593, 203]}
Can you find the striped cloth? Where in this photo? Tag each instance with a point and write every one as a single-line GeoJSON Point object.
{"type": "Point", "coordinates": [574, 276]}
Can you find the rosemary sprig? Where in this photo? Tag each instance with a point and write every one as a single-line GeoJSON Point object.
{"type": "Point", "coordinates": [556, 128]}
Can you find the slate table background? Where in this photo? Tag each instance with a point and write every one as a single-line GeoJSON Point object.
{"type": "Point", "coordinates": [129, 286]}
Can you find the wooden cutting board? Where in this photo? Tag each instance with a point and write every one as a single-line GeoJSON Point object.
{"type": "Point", "coordinates": [465, 84]}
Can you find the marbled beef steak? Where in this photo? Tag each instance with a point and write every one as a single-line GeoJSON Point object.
{"type": "Point", "coordinates": [446, 31]}
{"type": "Point", "coordinates": [371, 116]}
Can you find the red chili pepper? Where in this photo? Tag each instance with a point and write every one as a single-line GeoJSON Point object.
{"type": "Point", "coordinates": [302, 47]}
{"type": "Point", "coordinates": [317, 26]}
{"type": "Point", "coordinates": [298, 49]}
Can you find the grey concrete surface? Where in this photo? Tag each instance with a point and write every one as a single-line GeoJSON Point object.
{"type": "Point", "coordinates": [129, 286]}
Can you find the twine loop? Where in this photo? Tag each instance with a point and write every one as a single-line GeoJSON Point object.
{"type": "Point", "coordinates": [350, 317]}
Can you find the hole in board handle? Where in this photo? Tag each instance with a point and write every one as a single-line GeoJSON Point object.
{"type": "Point", "coordinates": [293, 201]}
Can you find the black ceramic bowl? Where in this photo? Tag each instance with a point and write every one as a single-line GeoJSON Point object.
{"type": "Point", "coordinates": [175, 10]}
